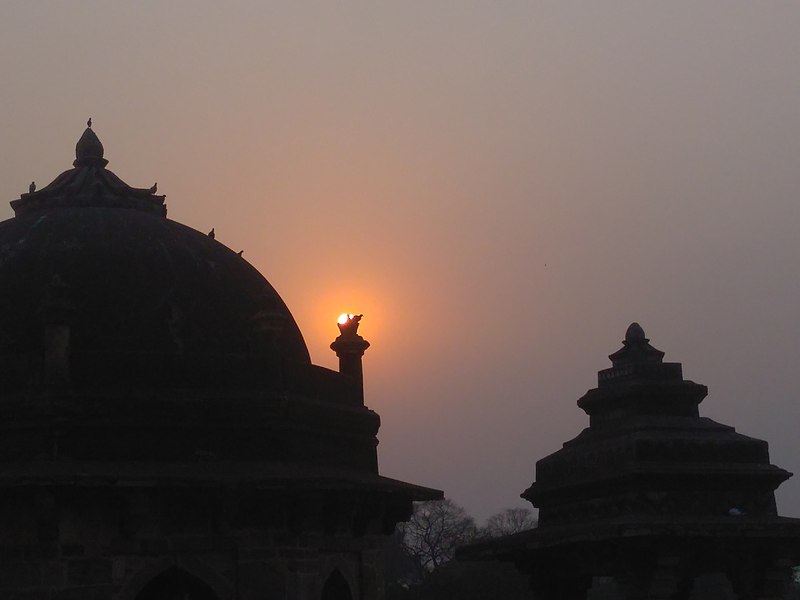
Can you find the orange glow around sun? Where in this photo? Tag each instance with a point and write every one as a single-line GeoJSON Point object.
{"type": "Point", "coordinates": [335, 301]}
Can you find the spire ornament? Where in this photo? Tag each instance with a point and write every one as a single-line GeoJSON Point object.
{"type": "Point", "coordinates": [90, 183]}
{"type": "Point", "coordinates": [637, 359]}
{"type": "Point", "coordinates": [89, 149]}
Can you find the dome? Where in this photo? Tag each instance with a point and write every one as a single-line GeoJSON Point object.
{"type": "Point", "coordinates": [160, 410]}
{"type": "Point", "coordinates": [97, 286]}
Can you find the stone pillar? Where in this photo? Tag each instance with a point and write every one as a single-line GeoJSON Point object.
{"type": "Point", "coordinates": [712, 586]}
{"type": "Point", "coordinates": [604, 588]}
{"type": "Point", "coordinates": [665, 580]}
{"type": "Point", "coordinates": [372, 582]}
{"type": "Point", "coordinates": [350, 347]}
{"type": "Point", "coordinates": [777, 579]}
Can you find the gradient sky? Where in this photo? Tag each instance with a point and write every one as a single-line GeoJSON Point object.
{"type": "Point", "coordinates": [501, 187]}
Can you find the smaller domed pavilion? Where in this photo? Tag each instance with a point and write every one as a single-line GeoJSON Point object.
{"type": "Point", "coordinates": [653, 501]}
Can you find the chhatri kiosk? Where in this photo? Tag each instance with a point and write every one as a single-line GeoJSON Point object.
{"type": "Point", "coordinates": [653, 501]}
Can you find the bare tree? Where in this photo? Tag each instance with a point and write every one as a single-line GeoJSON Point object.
{"type": "Point", "coordinates": [508, 521]}
{"type": "Point", "coordinates": [435, 529]}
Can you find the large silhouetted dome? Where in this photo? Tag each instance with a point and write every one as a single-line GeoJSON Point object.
{"type": "Point", "coordinates": [163, 432]}
{"type": "Point", "coordinates": [127, 336]}
{"type": "Point", "coordinates": [145, 299]}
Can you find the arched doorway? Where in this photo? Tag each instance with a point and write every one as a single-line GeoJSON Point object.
{"type": "Point", "coordinates": [336, 588]}
{"type": "Point", "coordinates": [176, 584]}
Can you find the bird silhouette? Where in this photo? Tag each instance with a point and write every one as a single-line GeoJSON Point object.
{"type": "Point", "coordinates": [154, 188]}
{"type": "Point", "coordinates": [32, 187]}
{"type": "Point", "coordinates": [211, 234]}
{"type": "Point", "coordinates": [89, 122]}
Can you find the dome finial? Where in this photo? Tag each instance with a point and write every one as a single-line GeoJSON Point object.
{"type": "Point", "coordinates": [635, 333]}
{"type": "Point", "coordinates": [636, 350]}
{"type": "Point", "coordinates": [89, 150]}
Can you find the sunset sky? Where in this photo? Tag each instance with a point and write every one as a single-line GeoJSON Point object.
{"type": "Point", "coordinates": [501, 187]}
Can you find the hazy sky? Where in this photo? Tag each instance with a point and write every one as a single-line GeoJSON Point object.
{"type": "Point", "coordinates": [500, 187]}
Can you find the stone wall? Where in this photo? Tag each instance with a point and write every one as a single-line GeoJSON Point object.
{"type": "Point", "coordinates": [103, 545]}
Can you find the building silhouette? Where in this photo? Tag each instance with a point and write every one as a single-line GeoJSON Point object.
{"type": "Point", "coordinates": [652, 501]}
{"type": "Point", "coordinates": [163, 432]}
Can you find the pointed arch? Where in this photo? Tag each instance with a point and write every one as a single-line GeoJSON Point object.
{"type": "Point", "coordinates": [176, 584]}
{"type": "Point", "coordinates": [336, 587]}
{"type": "Point", "coordinates": [189, 568]}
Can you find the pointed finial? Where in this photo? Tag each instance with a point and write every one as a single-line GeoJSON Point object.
{"type": "Point", "coordinates": [636, 349]}
{"type": "Point", "coordinates": [211, 234]}
{"type": "Point", "coordinates": [635, 333]}
{"type": "Point", "coordinates": [32, 187]}
{"type": "Point", "coordinates": [89, 150]}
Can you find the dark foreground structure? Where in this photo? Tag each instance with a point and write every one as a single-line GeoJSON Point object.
{"type": "Point", "coordinates": [163, 433]}
{"type": "Point", "coordinates": [652, 501]}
